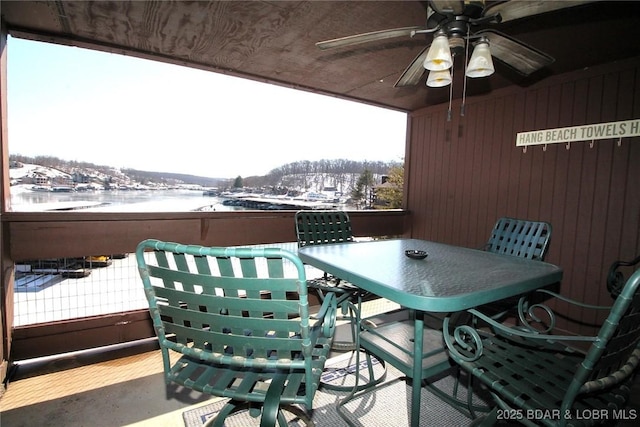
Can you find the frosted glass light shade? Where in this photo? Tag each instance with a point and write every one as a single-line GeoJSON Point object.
{"type": "Point", "coordinates": [439, 55]}
{"type": "Point", "coordinates": [439, 78]}
{"type": "Point", "coordinates": [480, 64]}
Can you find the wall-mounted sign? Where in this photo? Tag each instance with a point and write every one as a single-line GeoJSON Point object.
{"type": "Point", "coordinates": [623, 129]}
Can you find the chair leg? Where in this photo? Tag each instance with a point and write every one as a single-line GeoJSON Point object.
{"type": "Point", "coordinates": [372, 379]}
{"type": "Point", "coordinates": [282, 421]}
{"type": "Point", "coordinates": [354, 315]}
{"type": "Point", "coordinates": [271, 407]}
{"type": "Point", "coordinates": [346, 307]}
{"type": "Point", "coordinates": [357, 365]}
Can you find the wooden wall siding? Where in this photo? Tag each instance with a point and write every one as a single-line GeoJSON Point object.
{"type": "Point", "coordinates": [466, 173]}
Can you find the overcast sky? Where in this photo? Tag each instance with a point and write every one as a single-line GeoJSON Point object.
{"type": "Point", "coordinates": [84, 105]}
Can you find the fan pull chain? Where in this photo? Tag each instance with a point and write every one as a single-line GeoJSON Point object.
{"type": "Point", "coordinates": [453, 58]}
{"type": "Point", "coordinates": [466, 58]}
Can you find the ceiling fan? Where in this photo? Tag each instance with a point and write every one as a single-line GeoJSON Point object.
{"type": "Point", "coordinates": [458, 24]}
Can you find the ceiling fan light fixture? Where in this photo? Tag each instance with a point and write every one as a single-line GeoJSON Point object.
{"type": "Point", "coordinates": [480, 64]}
{"type": "Point", "coordinates": [439, 55]}
{"type": "Point", "coordinates": [439, 78]}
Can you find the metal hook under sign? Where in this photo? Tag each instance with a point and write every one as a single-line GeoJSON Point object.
{"type": "Point", "coordinates": [568, 145]}
{"type": "Point", "coordinates": [524, 149]}
{"type": "Point", "coordinates": [544, 147]}
{"type": "Point", "coordinates": [591, 144]}
{"type": "Point", "coordinates": [620, 142]}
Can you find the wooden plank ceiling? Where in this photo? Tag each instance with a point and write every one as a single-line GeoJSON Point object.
{"type": "Point", "coordinates": [274, 41]}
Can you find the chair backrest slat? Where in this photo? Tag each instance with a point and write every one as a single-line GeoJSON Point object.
{"type": "Point", "coordinates": [322, 227]}
{"type": "Point", "coordinates": [521, 238]}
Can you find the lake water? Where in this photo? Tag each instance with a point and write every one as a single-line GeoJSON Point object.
{"type": "Point", "coordinates": [24, 199]}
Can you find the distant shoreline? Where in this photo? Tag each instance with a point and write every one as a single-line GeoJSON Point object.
{"type": "Point", "coordinates": [23, 199]}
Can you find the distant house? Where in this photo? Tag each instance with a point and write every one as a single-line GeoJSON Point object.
{"type": "Point", "coordinates": [63, 180]}
{"type": "Point", "coordinates": [81, 178]}
{"type": "Point", "coordinates": [386, 184]}
{"type": "Point", "coordinates": [40, 179]}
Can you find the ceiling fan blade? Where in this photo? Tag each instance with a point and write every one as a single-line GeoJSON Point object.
{"type": "Point", "coordinates": [448, 6]}
{"type": "Point", "coordinates": [510, 10]}
{"type": "Point", "coordinates": [519, 56]}
{"type": "Point", "coordinates": [367, 37]}
{"type": "Point", "coordinates": [412, 75]}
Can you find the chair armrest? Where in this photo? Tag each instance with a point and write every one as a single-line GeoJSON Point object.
{"type": "Point", "coordinates": [571, 301]}
{"type": "Point", "coordinates": [615, 278]}
{"type": "Point", "coordinates": [528, 311]}
{"type": "Point", "coordinates": [326, 316]}
{"type": "Point", "coordinates": [466, 341]}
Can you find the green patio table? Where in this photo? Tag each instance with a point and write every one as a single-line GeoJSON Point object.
{"type": "Point", "coordinates": [450, 279]}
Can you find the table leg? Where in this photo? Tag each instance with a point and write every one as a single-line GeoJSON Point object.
{"type": "Point", "coordinates": [416, 387]}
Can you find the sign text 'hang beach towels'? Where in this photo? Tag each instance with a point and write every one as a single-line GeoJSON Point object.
{"type": "Point", "coordinates": [617, 130]}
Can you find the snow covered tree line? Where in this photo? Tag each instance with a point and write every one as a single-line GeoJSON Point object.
{"type": "Point", "coordinates": [341, 174]}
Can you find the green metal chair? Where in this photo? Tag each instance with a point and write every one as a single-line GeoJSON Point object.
{"type": "Point", "coordinates": [320, 227]}
{"type": "Point", "coordinates": [518, 237]}
{"type": "Point", "coordinates": [521, 238]}
{"type": "Point", "coordinates": [316, 227]}
{"type": "Point", "coordinates": [537, 377]}
{"type": "Point", "coordinates": [240, 319]}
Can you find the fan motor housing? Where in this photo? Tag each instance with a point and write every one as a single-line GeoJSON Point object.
{"type": "Point", "coordinates": [457, 30]}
